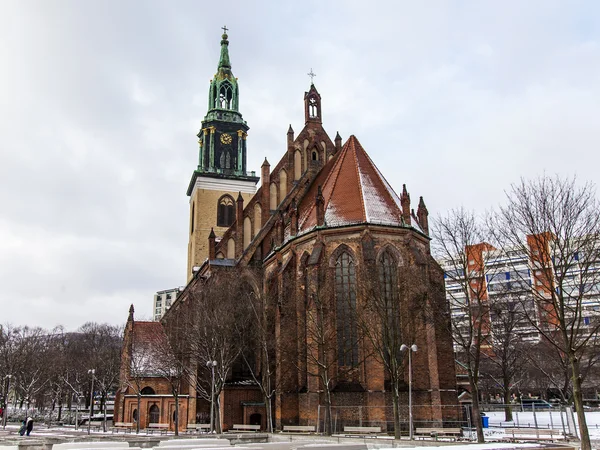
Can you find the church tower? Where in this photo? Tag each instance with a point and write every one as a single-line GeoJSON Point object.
{"type": "Point", "coordinates": [221, 176]}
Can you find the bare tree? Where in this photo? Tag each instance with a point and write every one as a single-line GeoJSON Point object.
{"type": "Point", "coordinates": [144, 362]}
{"type": "Point", "coordinates": [556, 223]}
{"type": "Point", "coordinates": [462, 243]}
{"type": "Point", "coordinates": [506, 359]}
{"type": "Point", "coordinates": [217, 315]}
{"type": "Point", "coordinates": [393, 308]}
{"type": "Point", "coordinates": [261, 347]}
{"type": "Point", "coordinates": [170, 362]}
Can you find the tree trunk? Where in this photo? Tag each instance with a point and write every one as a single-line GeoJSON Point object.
{"type": "Point", "coordinates": [328, 422]}
{"type": "Point", "coordinates": [578, 399]}
{"type": "Point", "coordinates": [477, 413]}
{"type": "Point", "coordinates": [269, 412]}
{"type": "Point", "coordinates": [396, 403]}
{"type": "Point", "coordinates": [217, 414]}
{"type": "Point", "coordinates": [176, 413]}
{"type": "Point", "coordinates": [507, 409]}
{"type": "Point", "coordinates": [137, 421]}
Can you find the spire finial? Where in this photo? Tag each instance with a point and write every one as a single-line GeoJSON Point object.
{"type": "Point", "coordinates": [224, 59]}
{"type": "Point", "coordinates": [224, 28]}
{"type": "Point", "coordinates": [312, 76]}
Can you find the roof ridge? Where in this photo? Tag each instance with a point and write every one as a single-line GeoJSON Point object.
{"type": "Point", "coordinates": [389, 189]}
{"type": "Point", "coordinates": [360, 180]}
{"type": "Point", "coordinates": [335, 164]}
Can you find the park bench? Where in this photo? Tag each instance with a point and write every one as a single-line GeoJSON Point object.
{"type": "Point", "coordinates": [162, 427]}
{"type": "Point", "coordinates": [125, 426]}
{"type": "Point", "coordinates": [362, 430]}
{"type": "Point", "coordinates": [299, 428]}
{"type": "Point", "coordinates": [435, 433]}
{"type": "Point", "coordinates": [245, 427]}
{"type": "Point", "coordinates": [528, 434]}
{"type": "Point", "coordinates": [196, 427]}
{"type": "Point", "coordinates": [96, 424]}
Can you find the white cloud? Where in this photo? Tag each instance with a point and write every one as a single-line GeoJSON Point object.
{"type": "Point", "coordinates": [101, 103]}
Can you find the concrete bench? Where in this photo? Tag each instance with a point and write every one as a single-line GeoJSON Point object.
{"type": "Point", "coordinates": [435, 433]}
{"type": "Point", "coordinates": [162, 427]}
{"type": "Point", "coordinates": [196, 442]}
{"type": "Point", "coordinates": [96, 424]}
{"type": "Point", "coordinates": [300, 428]}
{"type": "Point", "coordinates": [195, 427]}
{"type": "Point", "coordinates": [343, 446]}
{"type": "Point", "coordinates": [245, 427]}
{"type": "Point", "coordinates": [528, 434]}
{"type": "Point", "coordinates": [91, 444]}
{"type": "Point", "coordinates": [122, 447]}
{"type": "Point", "coordinates": [362, 430]}
{"type": "Point", "coordinates": [125, 426]}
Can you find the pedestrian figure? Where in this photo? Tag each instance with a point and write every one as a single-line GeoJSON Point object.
{"type": "Point", "coordinates": [29, 425]}
{"type": "Point", "coordinates": [23, 427]}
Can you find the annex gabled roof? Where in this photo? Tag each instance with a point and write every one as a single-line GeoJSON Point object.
{"type": "Point", "coordinates": [354, 190]}
{"type": "Point", "coordinates": [148, 345]}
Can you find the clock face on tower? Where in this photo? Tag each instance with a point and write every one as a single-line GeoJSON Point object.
{"type": "Point", "coordinates": [226, 138]}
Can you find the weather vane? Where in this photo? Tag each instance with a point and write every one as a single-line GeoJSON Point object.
{"type": "Point", "coordinates": [224, 28]}
{"type": "Point", "coordinates": [311, 75]}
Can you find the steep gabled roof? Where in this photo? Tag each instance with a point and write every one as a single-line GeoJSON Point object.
{"type": "Point", "coordinates": [354, 190]}
{"type": "Point", "coordinates": [149, 342]}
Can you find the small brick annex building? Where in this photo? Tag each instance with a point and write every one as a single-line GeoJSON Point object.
{"type": "Point", "coordinates": [322, 229]}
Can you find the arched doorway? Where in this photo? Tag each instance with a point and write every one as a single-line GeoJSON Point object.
{"type": "Point", "coordinates": [154, 414]}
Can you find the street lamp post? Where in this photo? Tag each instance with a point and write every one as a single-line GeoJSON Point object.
{"type": "Point", "coordinates": [212, 365]}
{"type": "Point", "coordinates": [412, 348]}
{"type": "Point", "coordinates": [92, 371]}
{"type": "Point", "coordinates": [5, 398]}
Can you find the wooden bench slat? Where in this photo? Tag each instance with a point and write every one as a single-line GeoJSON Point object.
{"type": "Point", "coordinates": [436, 432]}
{"type": "Point", "coordinates": [301, 428]}
{"type": "Point", "coordinates": [362, 429]}
{"type": "Point", "coordinates": [245, 427]}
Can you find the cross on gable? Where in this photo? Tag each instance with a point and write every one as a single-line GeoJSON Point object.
{"type": "Point", "coordinates": [311, 75]}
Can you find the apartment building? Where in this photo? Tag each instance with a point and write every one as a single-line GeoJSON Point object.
{"type": "Point", "coordinates": [163, 301]}
{"type": "Point", "coordinates": [524, 279]}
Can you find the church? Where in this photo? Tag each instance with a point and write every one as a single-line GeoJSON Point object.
{"type": "Point", "coordinates": [341, 262]}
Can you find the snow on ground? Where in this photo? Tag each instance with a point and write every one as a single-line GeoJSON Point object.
{"type": "Point", "coordinates": [545, 419]}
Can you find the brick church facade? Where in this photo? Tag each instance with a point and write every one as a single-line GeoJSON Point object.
{"type": "Point", "coordinates": [325, 238]}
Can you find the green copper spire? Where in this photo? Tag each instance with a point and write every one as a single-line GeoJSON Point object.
{"type": "Point", "coordinates": [224, 59]}
{"type": "Point", "coordinates": [224, 92]}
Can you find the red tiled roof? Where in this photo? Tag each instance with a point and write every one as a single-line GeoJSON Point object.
{"type": "Point", "coordinates": [148, 334]}
{"type": "Point", "coordinates": [354, 190]}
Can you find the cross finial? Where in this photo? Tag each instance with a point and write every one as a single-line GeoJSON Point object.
{"type": "Point", "coordinates": [311, 75]}
{"type": "Point", "coordinates": [224, 28]}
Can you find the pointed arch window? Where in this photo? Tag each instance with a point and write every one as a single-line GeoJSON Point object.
{"type": "Point", "coordinates": [225, 211]}
{"type": "Point", "coordinates": [225, 96]}
{"type": "Point", "coordinates": [345, 296]}
{"type": "Point", "coordinates": [388, 288]}
{"type": "Point", "coordinates": [154, 414]}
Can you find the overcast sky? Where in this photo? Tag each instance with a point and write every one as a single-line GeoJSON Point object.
{"type": "Point", "coordinates": [100, 102]}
